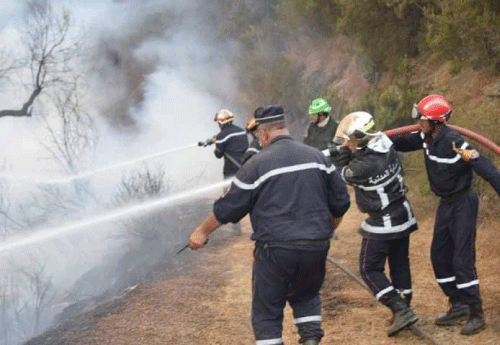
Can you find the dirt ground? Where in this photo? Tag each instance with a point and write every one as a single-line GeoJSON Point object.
{"type": "Point", "coordinates": [207, 301]}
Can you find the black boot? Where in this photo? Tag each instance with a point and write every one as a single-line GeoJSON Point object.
{"type": "Point", "coordinates": [475, 324]}
{"type": "Point", "coordinates": [407, 299]}
{"type": "Point", "coordinates": [311, 342]}
{"type": "Point", "coordinates": [457, 313]}
{"type": "Point", "coordinates": [403, 315]}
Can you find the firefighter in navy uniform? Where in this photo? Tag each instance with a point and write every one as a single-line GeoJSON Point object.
{"type": "Point", "coordinates": [369, 163]}
{"type": "Point", "coordinates": [322, 128]}
{"type": "Point", "coordinates": [295, 198]}
{"type": "Point", "coordinates": [231, 142]}
{"type": "Point", "coordinates": [450, 162]}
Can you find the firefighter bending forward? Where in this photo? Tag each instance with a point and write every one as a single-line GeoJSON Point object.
{"type": "Point", "coordinates": [369, 163]}
{"type": "Point", "coordinates": [292, 193]}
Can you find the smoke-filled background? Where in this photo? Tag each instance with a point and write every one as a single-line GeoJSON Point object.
{"type": "Point", "coordinates": [91, 180]}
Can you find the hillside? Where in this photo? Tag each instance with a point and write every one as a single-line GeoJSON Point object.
{"type": "Point", "coordinates": [208, 300]}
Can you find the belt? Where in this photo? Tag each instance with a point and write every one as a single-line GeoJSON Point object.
{"type": "Point", "coordinates": [294, 242]}
{"type": "Point", "coordinates": [453, 197]}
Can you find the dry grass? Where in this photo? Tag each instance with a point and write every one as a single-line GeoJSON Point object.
{"type": "Point", "coordinates": [209, 302]}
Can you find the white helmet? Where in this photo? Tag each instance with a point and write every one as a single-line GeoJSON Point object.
{"type": "Point", "coordinates": [357, 124]}
{"type": "Point", "coordinates": [223, 117]}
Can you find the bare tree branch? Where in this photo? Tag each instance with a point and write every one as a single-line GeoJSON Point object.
{"type": "Point", "coordinates": [45, 37]}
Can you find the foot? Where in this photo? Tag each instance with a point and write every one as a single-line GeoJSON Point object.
{"type": "Point", "coordinates": [310, 342]}
{"type": "Point", "coordinates": [473, 326]}
{"type": "Point", "coordinates": [457, 314]}
{"type": "Point", "coordinates": [402, 319]}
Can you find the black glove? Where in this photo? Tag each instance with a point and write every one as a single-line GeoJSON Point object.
{"type": "Point", "coordinates": [208, 142]}
{"type": "Point", "coordinates": [340, 157]}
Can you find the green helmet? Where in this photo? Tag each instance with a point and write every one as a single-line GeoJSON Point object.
{"type": "Point", "coordinates": [319, 105]}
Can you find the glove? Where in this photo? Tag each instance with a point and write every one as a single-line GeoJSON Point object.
{"type": "Point", "coordinates": [340, 157]}
{"type": "Point", "coordinates": [466, 154]}
{"type": "Point", "coordinates": [208, 142]}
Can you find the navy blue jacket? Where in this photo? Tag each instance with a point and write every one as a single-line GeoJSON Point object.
{"type": "Point", "coordinates": [321, 137]}
{"type": "Point", "coordinates": [448, 173]}
{"type": "Point", "coordinates": [290, 190]}
{"type": "Point", "coordinates": [377, 177]}
{"type": "Point", "coordinates": [231, 140]}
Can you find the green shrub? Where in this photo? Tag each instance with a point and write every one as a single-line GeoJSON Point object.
{"type": "Point", "coordinates": [454, 67]}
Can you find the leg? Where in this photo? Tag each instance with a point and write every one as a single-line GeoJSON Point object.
{"type": "Point", "coordinates": [269, 288]}
{"type": "Point", "coordinates": [372, 260]}
{"type": "Point", "coordinates": [399, 266]}
{"type": "Point", "coordinates": [371, 266]}
{"type": "Point", "coordinates": [464, 261]}
{"type": "Point", "coordinates": [442, 253]}
{"type": "Point", "coordinates": [304, 295]}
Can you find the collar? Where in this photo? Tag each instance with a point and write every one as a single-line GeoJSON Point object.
{"type": "Point", "coordinates": [439, 136]}
{"type": "Point", "coordinates": [279, 137]}
{"type": "Point", "coordinates": [380, 143]}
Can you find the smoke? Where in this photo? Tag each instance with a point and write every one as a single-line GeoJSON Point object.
{"type": "Point", "coordinates": [158, 71]}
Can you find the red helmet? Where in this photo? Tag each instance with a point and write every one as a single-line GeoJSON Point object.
{"type": "Point", "coordinates": [432, 107]}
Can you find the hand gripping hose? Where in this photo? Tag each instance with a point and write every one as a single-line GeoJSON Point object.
{"type": "Point", "coordinates": [490, 145]}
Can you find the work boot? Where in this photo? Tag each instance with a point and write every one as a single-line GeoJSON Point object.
{"type": "Point", "coordinates": [403, 315]}
{"type": "Point", "coordinates": [458, 312]}
{"type": "Point", "coordinates": [475, 324]}
{"type": "Point", "coordinates": [311, 342]}
{"type": "Point", "coordinates": [407, 299]}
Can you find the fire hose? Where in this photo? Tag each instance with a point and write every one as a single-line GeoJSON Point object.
{"type": "Point", "coordinates": [408, 129]}
{"type": "Point", "coordinates": [490, 145]}
{"type": "Point", "coordinates": [392, 132]}
{"type": "Point", "coordinates": [415, 328]}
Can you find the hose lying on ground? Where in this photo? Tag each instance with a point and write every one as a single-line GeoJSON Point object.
{"type": "Point", "coordinates": [415, 328]}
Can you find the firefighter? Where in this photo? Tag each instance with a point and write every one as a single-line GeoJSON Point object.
{"type": "Point", "coordinates": [291, 192]}
{"type": "Point", "coordinates": [254, 146]}
{"type": "Point", "coordinates": [322, 128]}
{"type": "Point", "coordinates": [370, 164]}
{"type": "Point", "coordinates": [231, 142]}
{"type": "Point", "coordinates": [450, 162]}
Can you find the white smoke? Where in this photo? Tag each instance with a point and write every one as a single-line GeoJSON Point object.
{"type": "Point", "coordinates": [158, 72]}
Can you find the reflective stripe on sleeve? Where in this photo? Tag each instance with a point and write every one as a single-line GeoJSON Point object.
{"type": "Point", "coordinates": [230, 136]}
{"type": "Point", "coordinates": [445, 160]}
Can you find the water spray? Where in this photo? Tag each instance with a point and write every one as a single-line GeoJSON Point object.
{"type": "Point", "coordinates": [41, 235]}
{"type": "Point", "coordinates": [69, 179]}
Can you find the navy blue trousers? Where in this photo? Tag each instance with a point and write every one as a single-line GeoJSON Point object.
{"type": "Point", "coordinates": [453, 252]}
{"type": "Point", "coordinates": [372, 259]}
{"type": "Point", "coordinates": [294, 275]}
